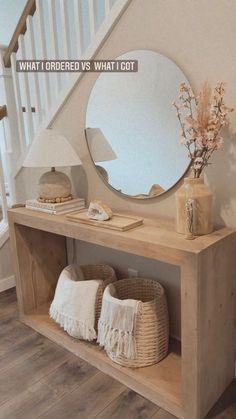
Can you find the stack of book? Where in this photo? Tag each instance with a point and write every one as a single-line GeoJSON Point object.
{"type": "Point", "coordinates": [74, 204]}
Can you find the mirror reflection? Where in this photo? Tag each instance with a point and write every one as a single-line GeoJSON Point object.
{"type": "Point", "coordinates": [131, 127]}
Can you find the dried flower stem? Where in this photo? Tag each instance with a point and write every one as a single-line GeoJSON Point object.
{"type": "Point", "coordinates": [201, 120]}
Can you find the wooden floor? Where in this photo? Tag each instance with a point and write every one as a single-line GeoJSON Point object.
{"type": "Point", "coordinates": [38, 379]}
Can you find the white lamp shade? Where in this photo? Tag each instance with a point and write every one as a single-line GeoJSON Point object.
{"type": "Point", "coordinates": [98, 145]}
{"type": "Point", "coordinates": [51, 149]}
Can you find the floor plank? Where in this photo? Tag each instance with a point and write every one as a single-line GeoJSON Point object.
{"type": "Point", "coordinates": [30, 403]}
{"type": "Point", "coordinates": [39, 397]}
{"type": "Point", "coordinates": [87, 400]}
{"type": "Point", "coordinates": [162, 414]}
{"type": "Point", "coordinates": [8, 310]}
{"type": "Point", "coordinates": [31, 370]}
{"type": "Point", "coordinates": [8, 305]}
{"type": "Point", "coordinates": [13, 332]}
{"type": "Point", "coordinates": [129, 405]}
{"type": "Point", "coordinates": [8, 295]}
{"type": "Point", "coordinates": [71, 374]}
{"type": "Point", "coordinates": [20, 351]}
{"type": "Point", "coordinates": [225, 408]}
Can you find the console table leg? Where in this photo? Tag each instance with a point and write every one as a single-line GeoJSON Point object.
{"type": "Point", "coordinates": [208, 301]}
{"type": "Point", "coordinates": [189, 336]}
{"type": "Point", "coordinates": [39, 257]}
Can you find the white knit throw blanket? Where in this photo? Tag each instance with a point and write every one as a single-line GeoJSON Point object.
{"type": "Point", "coordinates": [117, 324]}
{"type": "Point", "coordinates": [73, 306]}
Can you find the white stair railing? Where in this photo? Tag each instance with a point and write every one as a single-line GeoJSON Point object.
{"type": "Point", "coordinates": [75, 30]}
{"type": "Point", "coordinates": [78, 27]}
{"type": "Point", "coordinates": [3, 195]}
{"type": "Point", "coordinates": [54, 40]}
{"type": "Point", "coordinates": [8, 133]}
{"type": "Point", "coordinates": [10, 149]}
{"type": "Point", "coordinates": [58, 29]}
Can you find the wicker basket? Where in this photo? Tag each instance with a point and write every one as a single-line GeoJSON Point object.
{"type": "Point", "coordinates": [152, 325]}
{"type": "Point", "coordinates": [107, 275]}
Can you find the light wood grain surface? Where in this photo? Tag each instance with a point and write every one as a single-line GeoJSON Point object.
{"type": "Point", "coordinates": [118, 222]}
{"type": "Point", "coordinates": [160, 382]}
{"type": "Point", "coordinates": [186, 386]}
{"type": "Point", "coordinates": [164, 243]}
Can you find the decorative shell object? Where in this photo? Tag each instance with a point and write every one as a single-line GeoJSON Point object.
{"type": "Point", "coordinates": [99, 211]}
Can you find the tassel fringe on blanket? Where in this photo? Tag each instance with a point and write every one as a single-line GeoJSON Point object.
{"type": "Point", "coordinates": [117, 324]}
{"type": "Point", "coordinates": [73, 327]}
{"type": "Point", "coordinates": [73, 306]}
{"type": "Point", "coordinates": [117, 341]}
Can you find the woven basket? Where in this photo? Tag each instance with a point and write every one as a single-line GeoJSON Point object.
{"type": "Point", "coordinates": [152, 325]}
{"type": "Point", "coordinates": [107, 275]}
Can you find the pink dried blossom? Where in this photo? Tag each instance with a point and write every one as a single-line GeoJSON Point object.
{"type": "Point", "coordinates": [201, 121]}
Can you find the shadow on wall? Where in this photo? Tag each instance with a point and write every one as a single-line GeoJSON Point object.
{"type": "Point", "coordinates": [221, 176]}
{"type": "Point", "coordinates": [79, 182]}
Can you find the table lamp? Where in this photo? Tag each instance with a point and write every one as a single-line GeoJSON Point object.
{"type": "Point", "coordinates": [100, 149]}
{"type": "Point", "coordinates": [51, 149]}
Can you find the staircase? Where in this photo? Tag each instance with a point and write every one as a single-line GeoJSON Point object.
{"type": "Point", "coordinates": [54, 29]}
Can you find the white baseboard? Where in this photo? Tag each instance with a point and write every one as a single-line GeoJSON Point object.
{"type": "Point", "coordinates": [7, 283]}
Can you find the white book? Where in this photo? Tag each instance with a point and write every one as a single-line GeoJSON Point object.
{"type": "Point", "coordinates": [57, 212]}
{"type": "Point", "coordinates": [34, 203]}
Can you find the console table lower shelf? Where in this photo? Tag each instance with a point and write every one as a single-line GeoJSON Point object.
{"type": "Point", "coordinates": [160, 383]}
{"type": "Point", "coordinates": [187, 385]}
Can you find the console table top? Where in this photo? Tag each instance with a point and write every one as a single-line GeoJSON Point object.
{"type": "Point", "coordinates": [155, 239]}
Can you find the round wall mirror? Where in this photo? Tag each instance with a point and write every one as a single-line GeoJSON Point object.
{"type": "Point", "coordinates": [131, 126]}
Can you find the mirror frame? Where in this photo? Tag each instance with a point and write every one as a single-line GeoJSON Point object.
{"type": "Point", "coordinates": [122, 194]}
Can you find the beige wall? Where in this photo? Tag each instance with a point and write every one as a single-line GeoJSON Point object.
{"type": "Point", "coordinates": [199, 36]}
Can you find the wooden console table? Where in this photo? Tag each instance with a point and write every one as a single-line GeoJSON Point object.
{"type": "Point", "coordinates": [186, 384]}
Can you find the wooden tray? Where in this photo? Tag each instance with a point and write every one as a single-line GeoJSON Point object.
{"type": "Point", "coordinates": [118, 222]}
